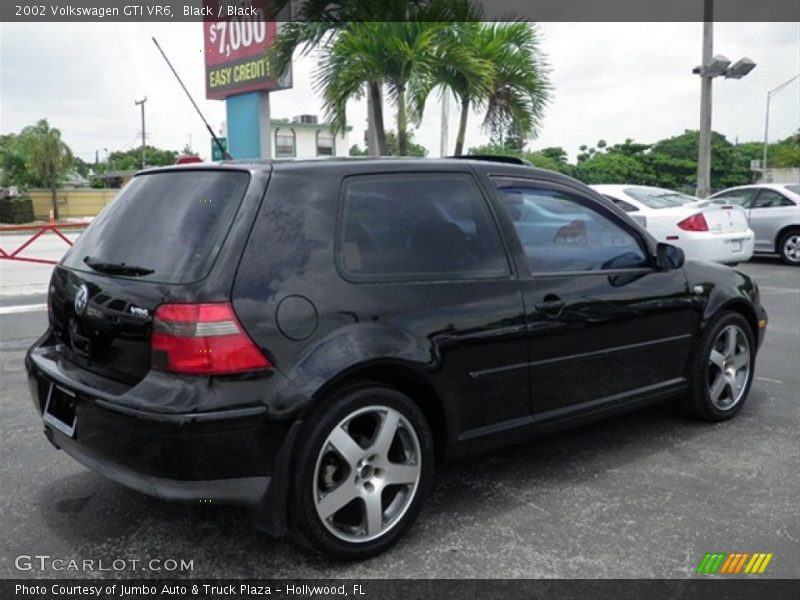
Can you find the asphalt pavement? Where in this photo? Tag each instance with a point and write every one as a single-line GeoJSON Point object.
{"type": "Point", "coordinates": [642, 495]}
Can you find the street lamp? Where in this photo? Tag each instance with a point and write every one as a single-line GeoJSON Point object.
{"type": "Point", "coordinates": [770, 94]}
{"type": "Point", "coordinates": [713, 66]}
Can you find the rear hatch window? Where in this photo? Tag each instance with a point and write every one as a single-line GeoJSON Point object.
{"type": "Point", "coordinates": [166, 227]}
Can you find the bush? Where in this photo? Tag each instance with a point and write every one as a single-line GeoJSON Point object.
{"type": "Point", "coordinates": [16, 209]}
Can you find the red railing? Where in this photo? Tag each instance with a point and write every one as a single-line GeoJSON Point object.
{"type": "Point", "coordinates": [39, 230]}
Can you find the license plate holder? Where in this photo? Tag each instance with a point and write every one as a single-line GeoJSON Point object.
{"type": "Point", "coordinates": [59, 410]}
{"type": "Point", "coordinates": [736, 245]}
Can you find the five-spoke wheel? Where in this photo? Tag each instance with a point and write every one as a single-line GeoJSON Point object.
{"type": "Point", "coordinates": [723, 368]}
{"type": "Point", "coordinates": [365, 465]}
{"type": "Point", "coordinates": [789, 248]}
{"type": "Point", "coordinates": [728, 367]}
{"type": "Point", "coordinates": [367, 473]}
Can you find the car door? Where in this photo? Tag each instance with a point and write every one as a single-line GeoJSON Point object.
{"type": "Point", "coordinates": [423, 251]}
{"type": "Point", "coordinates": [604, 325]}
{"type": "Point", "coordinates": [769, 212]}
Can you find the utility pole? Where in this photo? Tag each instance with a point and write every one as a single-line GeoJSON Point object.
{"type": "Point", "coordinates": [704, 150]}
{"type": "Point", "coordinates": [141, 103]}
{"type": "Point", "coordinates": [443, 134]}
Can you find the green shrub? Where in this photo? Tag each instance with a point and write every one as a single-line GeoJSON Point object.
{"type": "Point", "coordinates": [17, 209]}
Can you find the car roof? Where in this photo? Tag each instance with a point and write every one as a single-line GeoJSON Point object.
{"type": "Point", "coordinates": [494, 165]}
{"type": "Point", "coordinates": [780, 187]}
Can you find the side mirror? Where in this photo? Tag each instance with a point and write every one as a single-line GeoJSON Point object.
{"type": "Point", "coordinates": [669, 257]}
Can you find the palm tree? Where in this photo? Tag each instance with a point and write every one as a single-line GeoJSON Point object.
{"type": "Point", "coordinates": [320, 21]}
{"type": "Point", "coordinates": [47, 156]}
{"type": "Point", "coordinates": [401, 55]}
{"type": "Point", "coordinates": [515, 90]}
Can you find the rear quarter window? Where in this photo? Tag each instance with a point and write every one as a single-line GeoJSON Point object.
{"type": "Point", "coordinates": [417, 226]}
{"type": "Point", "coordinates": [173, 223]}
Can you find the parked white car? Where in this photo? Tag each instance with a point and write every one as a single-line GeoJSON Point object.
{"type": "Point", "coordinates": [774, 213]}
{"type": "Point", "coordinates": [704, 230]}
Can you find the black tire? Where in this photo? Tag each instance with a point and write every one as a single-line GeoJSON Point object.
{"type": "Point", "coordinates": [789, 247]}
{"type": "Point", "coordinates": [317, 464]}
{"type": "Point", "coordinates": [704, 371]}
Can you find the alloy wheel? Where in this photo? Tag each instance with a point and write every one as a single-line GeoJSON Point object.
{"type": "Point", "coordinates": [729, 368]}
{"type": "Point", "coordinates": [367, 474]}
{"type": "Point", "coordinates": [791, 247]}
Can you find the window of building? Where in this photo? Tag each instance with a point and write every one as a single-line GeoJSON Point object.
{"type": "Point", "coordinates": [285, 143]}
{"type": "Point", "coordinates": [420, 226]}
{"type": "Point", "coordinates": [325, 143]}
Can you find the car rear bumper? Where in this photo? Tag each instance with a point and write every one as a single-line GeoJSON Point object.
{"type": "Point", "coordinates": [224, 456]}
{"type": "Point", "coordinates": [727, 248]}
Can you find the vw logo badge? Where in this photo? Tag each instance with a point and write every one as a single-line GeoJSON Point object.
{"type": "Point", "coordinates": [81, 299]}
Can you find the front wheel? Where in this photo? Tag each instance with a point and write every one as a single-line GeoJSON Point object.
{"type": "Point", "coordinates": [789, 247]}
{"type": "Point", "coordinates": [723, 368]}
{"type": "Point", "coordinates": [363, 469]}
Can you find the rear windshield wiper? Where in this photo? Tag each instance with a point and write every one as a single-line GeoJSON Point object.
{"type": "Point", "coordinates": [116, 268]}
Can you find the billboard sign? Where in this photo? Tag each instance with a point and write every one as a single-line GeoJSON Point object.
{"type": "Point", "coordinates": [237, 37]}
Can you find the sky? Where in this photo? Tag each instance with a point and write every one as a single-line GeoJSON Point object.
{"type": "Point", "coordinates": [611, 81]}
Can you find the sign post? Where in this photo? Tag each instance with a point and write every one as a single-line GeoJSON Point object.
{"type": "Point", "coordinates": [237, 39]}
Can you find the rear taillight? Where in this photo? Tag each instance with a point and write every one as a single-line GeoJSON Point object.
{"type": "Point", "coordinates": [202, 339]}
{"type": "Point", "coordinates": [694, 223]}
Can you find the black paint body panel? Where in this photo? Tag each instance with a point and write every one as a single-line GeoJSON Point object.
{"type": "Point", "coordinates": [495, 369]}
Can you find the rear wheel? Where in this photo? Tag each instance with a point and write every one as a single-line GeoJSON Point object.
{"type": "Point", "coordinates": [723, 369]}
{"type": "Point", "coordinates": [362, 473]}
{"type": "Point", "coordinates": [789, 247]}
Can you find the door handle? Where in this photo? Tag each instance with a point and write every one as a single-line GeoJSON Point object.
{"type": "Point", "coordinates": [551, 305]}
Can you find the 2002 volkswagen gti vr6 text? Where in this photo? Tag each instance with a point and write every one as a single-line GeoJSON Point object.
{"type": "Point", "coordinates": [309, 339]}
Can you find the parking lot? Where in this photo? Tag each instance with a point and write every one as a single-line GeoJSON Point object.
{"type": "Point", "coordinates": [643, 495]}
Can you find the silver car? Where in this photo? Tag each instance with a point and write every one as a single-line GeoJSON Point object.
{"type": "Point", "coordinates": [774, 213]}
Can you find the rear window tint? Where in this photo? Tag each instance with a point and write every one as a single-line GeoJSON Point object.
{"type": "Point", "coordinates": [172, 223]}
{"type": "Point", "coordinates": [418, 227]}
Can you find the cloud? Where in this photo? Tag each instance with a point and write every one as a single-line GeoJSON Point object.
{"type": "Point", "coordinates": [612, 81]}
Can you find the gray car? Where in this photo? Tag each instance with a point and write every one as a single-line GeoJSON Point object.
{"type": "Point", "coordinates": [774, 213]}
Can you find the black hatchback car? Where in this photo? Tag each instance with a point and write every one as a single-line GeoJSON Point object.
{"type": "Point", "coordinates": [308, 339]}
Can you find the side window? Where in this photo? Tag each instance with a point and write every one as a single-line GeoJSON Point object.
{"type": "Point", "coordinates": [771, 199]}
{"type": "Point", "coordinates": [417, 226]}
{"type": "Point", "coordinates": [561, 233]}
{"type": "Point", "coordinates": [735, 197]}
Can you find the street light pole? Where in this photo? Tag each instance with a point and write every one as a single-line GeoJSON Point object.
{"type": "Point", "coordinates": [770, 94]}
{"type": "Point", "coordinates": [713, 66]}
{"type": "Point", "coordinates": [704, 150]}
{"type": "Point", "coordinates": [141, 103]}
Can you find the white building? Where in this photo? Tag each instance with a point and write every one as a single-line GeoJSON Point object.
{"type": "Point", "coordinates": [305, 137]}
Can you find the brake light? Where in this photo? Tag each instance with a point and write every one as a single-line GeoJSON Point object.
{"type": "Point", "coordinates": [694, 223]}
{"type": "Point", "coordinates": [202, 339]}
{"type": "Point", "coordinates": [188, 159]}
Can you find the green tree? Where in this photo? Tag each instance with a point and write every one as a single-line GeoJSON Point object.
{"type": "Point", "coordinates": [47, 156]}
{"type": "Point", "coordinates": [320, 22]}
{"type": "Point", "coordinates": [548, 158]}
{"type": "Point", "coordinates": [727, 166]}
{"type": "Point", "coordinates": [402, 55]}
{"type": "Point", "coordinates": [604, 167]}
{"type": "Point", "coordinates": [508, 78]}
{"type": "Point", "coordinates": [392, 147]}
{"type": "Point", "coordinates": [131, 160]}
{"type": "Point", "coordinates": [557, 153]}
{"type": "Point", "coordinates": [13, 161]}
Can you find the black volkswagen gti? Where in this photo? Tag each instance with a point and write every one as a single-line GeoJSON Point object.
{"type": "Point", "coordinates": [308, 339]}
